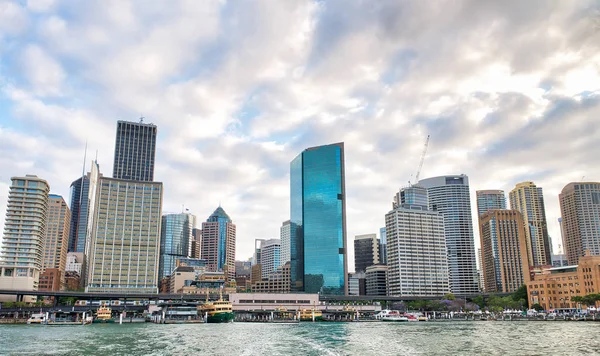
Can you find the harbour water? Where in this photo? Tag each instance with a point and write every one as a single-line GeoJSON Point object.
{"type": "Point", "coordinates": [376, 338]}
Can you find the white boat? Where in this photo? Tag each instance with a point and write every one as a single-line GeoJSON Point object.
{"type": "Point", "coordinates": [39, 318]}
{"type": "Point", "coordinates": [391, 315]}
{"type": "Point", "coordinates": [397, 318]}
{"type": "Point", "coordinates": [383, 313]}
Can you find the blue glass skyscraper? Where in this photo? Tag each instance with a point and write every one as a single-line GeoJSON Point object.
{"type": "Point", "coordinates": [83, 200]}
{"type": "Point", "coordinates": [382, 246]}
{"type": "Point", "coordinates": [318, 221]}
{"type": "Point", "coordinates": [175, 241]}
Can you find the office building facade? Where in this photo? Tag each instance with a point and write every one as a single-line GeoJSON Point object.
{"type": "Point", "coordinates": [56, 240]}
{"type": "Point", "coordinates": [125, 245]}
{"type": "Point", "coordinates": [218, 243]}
{"type": "Point", "coordinates": [24, 232]}
{"type": "Point", "coordinates": [196, 245]}
{"type": "Point", "coordinates": [528, 199]}
{"type": "Point", "coordinates": [357, 283]}
{"type": "Point", "coordinates": [490, 200]}
{"type": "Point", "coordinates": [505, 263]}
{"type": "Point", "coordinates": [480, 269]}
{"type": "Point", "coordinates": [366, 251]}
{"type": "Point", "coordinates": [74, 262]}
{"type": "Point", "coordinates": [554, 288]}
{"type": "Point", "coordinates": [135, 148]}
{"type": "Point", "coordinates": [175, 239]}
{"type": "Point", "coordinates": [270, 257]}
{"type": "Point", "coordinates": [376, 280]}
{"type": "Point", "coordinates": [416, 252]}
{"type": "Point", "coordinates": [277, 281]}
{"type": "Point", "coordinates": [382, 246]}
{"type": "Point", "coordinates": [580, 209]}
{"type": "Point", "coordinates": [318, 221]}
{"type": "Point", "coordinates": [284, 235]}
{"type": "Point", "coordinates": [83, 201]}
{"type": "Point", "coordinates": [449, 195]}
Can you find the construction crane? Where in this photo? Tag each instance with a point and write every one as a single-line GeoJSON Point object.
{"type": "Point", "coordinates": [422, 159]}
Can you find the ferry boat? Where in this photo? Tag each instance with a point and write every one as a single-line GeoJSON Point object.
{"type": "Point", "coordinates": [219, 311]}
{"type": "Point", "coordinates": [310, 315]}
{"type": "Point", "coordinates": [103, 315]}
{"type": "Point", "coordinates": [395, 317]}
{"type": "Point", "coordinates": [59, 318]}
{"type": "Point", "coordinates": [284, 313]}
{"type": "Point", "coordinates": [391, 315]}
{"type": "Point", "coordinates": [39, 318]}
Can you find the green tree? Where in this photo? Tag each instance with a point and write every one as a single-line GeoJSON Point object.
{"type": "Point", "coordinates": [436, 305]}
{"type": "Point", "coordinates": [537, 307]}
{"type": "Point", "coordinates": [449, 296]}
{"type": "Point", "coordinates": [590, 299]}
{"type": "Point", "coordinates": [480, 300]}
{"type": "Point", "coordinates": [521, 295]}
{"type": "Point", "coordinates": [67, 300]}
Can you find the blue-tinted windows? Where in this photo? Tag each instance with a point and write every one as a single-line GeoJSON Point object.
{"type": "Point", "coordinates": [317, 217]}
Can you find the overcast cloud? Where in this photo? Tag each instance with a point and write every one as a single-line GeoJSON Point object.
{"type": "Point", "coordinates": [509, 91]}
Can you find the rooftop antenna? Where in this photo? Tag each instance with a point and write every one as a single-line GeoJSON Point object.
{"type": "Point", "coordinates": [582, 178]}
{"type": "Point", "coordinates": [84, 159]}
{"type": "Point", "coordinates": [141, 119]}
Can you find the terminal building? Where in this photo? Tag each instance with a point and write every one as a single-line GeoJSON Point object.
{"type": "Point", "coordinates": [554, 288]}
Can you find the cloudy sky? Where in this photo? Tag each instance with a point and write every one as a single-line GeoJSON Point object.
{"type": "Point", "coordinates": [509, 91]}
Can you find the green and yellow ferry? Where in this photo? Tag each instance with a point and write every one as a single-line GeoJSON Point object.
{"type": "Point", "coordinates": [219, 311]}
{"type": "Point", "coordinates": [311, 315]}
{"type": "Point", "coordinates": [103, 315]}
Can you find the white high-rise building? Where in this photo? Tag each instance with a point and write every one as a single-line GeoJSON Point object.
{"type": "Point", "coordinates": [449, 195]}
{"type": "Point", "coordinates": [125, 244]}
{"type": "Point", "coordinates": [480, 269]}
{"type": "Point", "coordinates": [285, 235]}
{"type": "Point", "coordinates": [416, 249]}
{"type": "Point", "coordinates": [270, 256]}
{"type": "Point", "coordinates": [74, 262]}
{"type": "Point", "coordinates": [24, 230]}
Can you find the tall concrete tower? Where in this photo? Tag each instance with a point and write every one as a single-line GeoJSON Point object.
{"type": "Point", "coordinates": [528, 199]}
{"type": "Point", "coordinates": [218, 243]}
{"type": "Point", "coordinates": [135, 148]}
{"type": "Point", "coordinates": [580, 209]}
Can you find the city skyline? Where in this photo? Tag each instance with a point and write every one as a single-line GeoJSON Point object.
{"type": "Point", "coordinates": [221, 128]}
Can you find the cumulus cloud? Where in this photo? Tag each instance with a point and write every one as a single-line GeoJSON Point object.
{"type": "Point", "coordinates": [508, 92]}
{"type": "Point", "coordinates": [40, 5]}
{"type": "Point", "coordinates": [44, 74]}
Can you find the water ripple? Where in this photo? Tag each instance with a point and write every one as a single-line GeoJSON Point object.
{"type": "Point", "coordinates": [441, 338]}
